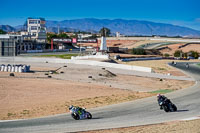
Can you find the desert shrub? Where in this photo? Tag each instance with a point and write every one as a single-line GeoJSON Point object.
{"type": "Point", "coordinates": [194, 54]}
{"type": "Point", "coordinates": [166, 55]}
{"type": "Point", "coordinates": [138, 51]}
{"type": "Point", "coordinates": [177, 53]}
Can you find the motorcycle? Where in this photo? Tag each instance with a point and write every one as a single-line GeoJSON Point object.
{"type": "Point", "coordinates": [167, 105]}
{"type": "Point", "coordinates": [187, 65]}
{"type": "Point", "coordinates": [84, 115]}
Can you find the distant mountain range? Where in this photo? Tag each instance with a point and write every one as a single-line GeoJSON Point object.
{"type": "Point", "coordinates": [125, 27]}
{"type": "Point", "coordinates": [7, 28]}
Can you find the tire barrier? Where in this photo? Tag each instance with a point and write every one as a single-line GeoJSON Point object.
{"type": "Point", "coordinates": [14, 68]}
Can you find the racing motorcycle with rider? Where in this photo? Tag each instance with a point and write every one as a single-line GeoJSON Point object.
{"type": "Point", "coordinates": [79, 113]}
{"type": "Point", "coordinates": [166, 104]}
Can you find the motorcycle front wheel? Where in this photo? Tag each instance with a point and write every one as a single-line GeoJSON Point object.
{"type": "Point", "coordinates": [165, 108]}
{"type": "Point", "coordinates": [89, 116]}
{"type": "Point", "coordinates": [174, 107]}
{"type": "Point", "coordinates": [75, 116]}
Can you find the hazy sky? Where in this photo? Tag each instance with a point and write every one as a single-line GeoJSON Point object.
{"type": "Point", "coordinates": [177, 12]}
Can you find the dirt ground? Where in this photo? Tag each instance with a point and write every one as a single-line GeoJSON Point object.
{"type": "Point", "coordinates": [172, 48]}
{"type": "Point", "coordinates": [27, 98]}
{"type": "Point", "coordinates": [192, 126]}
{"type": "Point", "coordinates": [160, 66]}
{"type": "Point", "coordinates": [35, 94]}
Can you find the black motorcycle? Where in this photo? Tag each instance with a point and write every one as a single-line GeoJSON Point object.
{"type": "Point", "coordinates": [167, 105]}
{"type": "Point", "coordinates": [187, 65]}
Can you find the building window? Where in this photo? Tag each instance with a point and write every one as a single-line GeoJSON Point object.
{"type": "Point", "coordinates": [32, 21]}
{"type": "Point", "coordinates": [33, 27]}
{"type": "Point", "coordinates": [34, 34]}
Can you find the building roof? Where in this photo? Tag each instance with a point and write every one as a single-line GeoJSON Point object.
{"type": "Point", "coordinates": [7, 36]}
{"type": "Point", "coordinates": [43, 19]}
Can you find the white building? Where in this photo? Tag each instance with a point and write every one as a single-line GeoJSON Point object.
{"type": "Point", "coordinates": [119, 35]}
{"type": "Point", "coordinates": [36, 28]}
{"type": "Point", "coordinates": [84, 35]}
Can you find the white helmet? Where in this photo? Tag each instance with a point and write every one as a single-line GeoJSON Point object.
{"type": "Point", "coordinates": [70, 107]}
{"type": "Point", "coordinates": [158, 95]}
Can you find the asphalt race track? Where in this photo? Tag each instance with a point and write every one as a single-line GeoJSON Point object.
{"type": "Point", "coordinates": [140, 112]}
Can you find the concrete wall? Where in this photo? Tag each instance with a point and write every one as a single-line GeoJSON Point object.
{"type": "Point", "coordinates": [90, 56]}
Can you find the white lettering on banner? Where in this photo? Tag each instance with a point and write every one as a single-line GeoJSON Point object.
{"type": "Point", "coordinates": [62, 40]}
{"type": "Point", "coordinates": [87, 40]}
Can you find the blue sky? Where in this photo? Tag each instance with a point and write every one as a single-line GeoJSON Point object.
{"type": "Point", "coordinates": [177, 12]}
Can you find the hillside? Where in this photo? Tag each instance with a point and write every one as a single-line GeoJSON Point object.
{"type": "Point", "coordinates": [7, 28]}
{"type": "Point", "coordinates": [126, 27]}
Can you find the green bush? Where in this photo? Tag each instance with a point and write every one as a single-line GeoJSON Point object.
{"type": "Point", "coordinates": [194, 54]}
{"type": "Point", "coordinates": [138, 51]}
{"type": "Point", "coordinates": [166, 55]}
{"type": "Point", "coordinates": [2, 32]}
{"type": "Point", "coordinates": [177, 53]}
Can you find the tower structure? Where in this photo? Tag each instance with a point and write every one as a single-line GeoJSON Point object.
{"type": "Point", "coordinates": [36, 29]}
{"type": "Point", "coordinates": [103, 46]}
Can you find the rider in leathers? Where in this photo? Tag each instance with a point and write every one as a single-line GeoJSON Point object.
{"type": "Point", "coordinates": [161, 98]}
{"type": "Point", "coordinates": [77, 109]}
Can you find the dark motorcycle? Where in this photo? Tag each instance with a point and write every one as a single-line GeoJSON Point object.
{"type": "Point", "coordinates": [187, 65]}
{"type": "Point", "coordinates": [167, 105]}
{"type": "Point", "coordinates": [84, 115]}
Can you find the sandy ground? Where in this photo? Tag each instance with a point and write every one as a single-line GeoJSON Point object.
{"type": "Point", "coordinates": [29, 95]}
{"type": "Point", "coordinates": [192, 126]}
{"type": "Point", "coordinates": [27, 98]}
{"type": "Point", "coordinates": [194, 47]}
{"type": "Point", "coordinates": [172, 48]}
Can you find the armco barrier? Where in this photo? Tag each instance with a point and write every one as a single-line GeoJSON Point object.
{"type": "Point", "coordinates": [140, 59]}
{"type": "Point", "coordinates": [84, 62]}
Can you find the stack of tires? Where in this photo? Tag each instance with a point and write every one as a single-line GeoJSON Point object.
{"type": "Point", "coordinates": [14, 68]}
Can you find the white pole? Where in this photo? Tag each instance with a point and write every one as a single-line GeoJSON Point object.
{"type": "Point", "coordinates": [14, 53]}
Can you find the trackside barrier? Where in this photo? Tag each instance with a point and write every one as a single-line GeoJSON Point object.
{"type": "Point", "coordinates": [46, 51]}
{"type": "Point", "coordinates": [90, 56]}
{"type": "Point", "coordinates": [14, 68]}
{"type": "Point", "coordinates": [140, 59]}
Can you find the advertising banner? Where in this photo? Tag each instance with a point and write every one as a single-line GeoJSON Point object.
{"type": "Point", "coordinates": [62, 40]}
{"type": "Point", "coordinates": [86, 40]}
